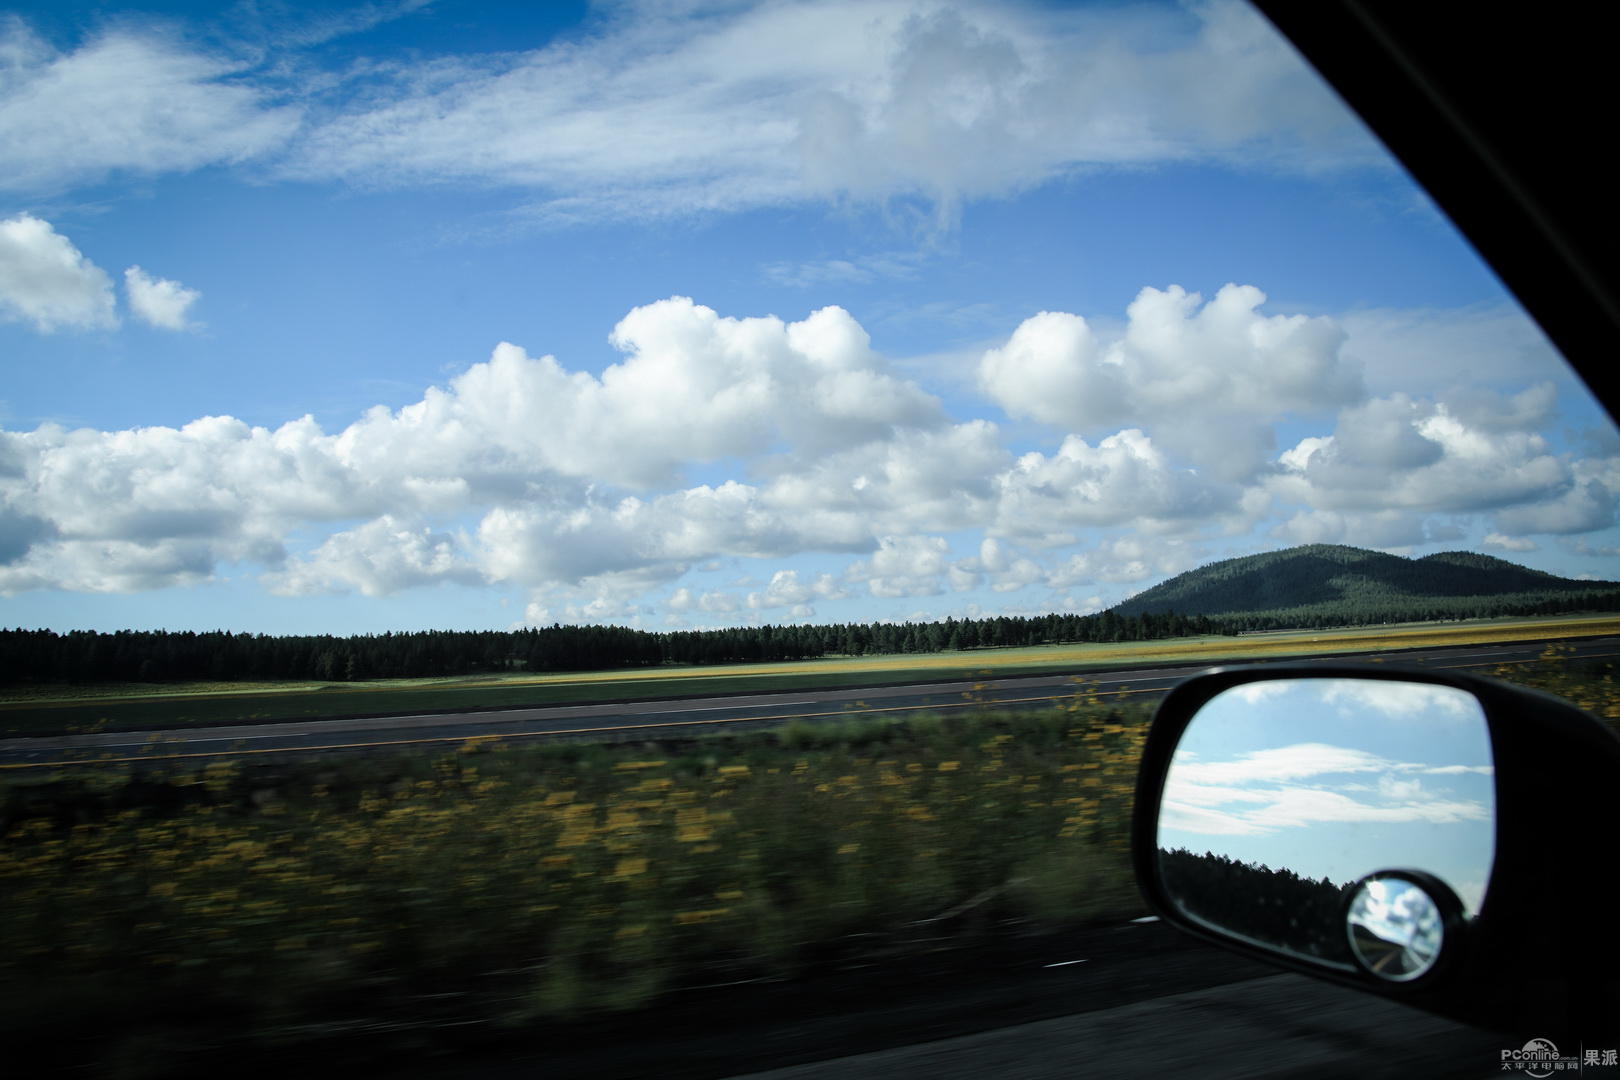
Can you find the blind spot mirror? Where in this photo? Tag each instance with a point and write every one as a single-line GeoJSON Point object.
{"type": "Point", "coordinates": [1400, 924]}
{"type": "Point", "coordinates": [1287, 800]}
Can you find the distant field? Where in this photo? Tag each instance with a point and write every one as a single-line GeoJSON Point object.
{"type": "Point", "coordinates": [134, 707]}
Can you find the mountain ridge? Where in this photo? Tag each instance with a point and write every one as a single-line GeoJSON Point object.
{"type": "Point", "coordinates": [1313, 579]}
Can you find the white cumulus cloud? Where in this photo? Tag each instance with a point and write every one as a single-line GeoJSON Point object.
{"type": "Point", "coordinates": [1124, 478]}
{"type": "Point", "coordinates": [47, 282]}
{"type": "Point", "coordinates": [1402, 454]}
{"type": "Point", "coordinates": [693, 387]}
{"type": "Point", "coordinates": [380, 557]}
{"type": "Point", "coordinates": [576, 487]}
{"type": "Point", "coordinates": [1206, 378]}
{"type": "Point", "coordinates": [158, 301]}
{"type": "Point", "coordinates": [904, 566]}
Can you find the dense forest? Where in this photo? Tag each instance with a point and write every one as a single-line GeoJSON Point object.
{"type": "Point", "coordinates": [1391, 592]}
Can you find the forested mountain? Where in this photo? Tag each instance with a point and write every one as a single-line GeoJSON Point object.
{"type": "Point", "coordinates": [1316, 586]}
{"type": "Point", "coordinates": [1352, 586]}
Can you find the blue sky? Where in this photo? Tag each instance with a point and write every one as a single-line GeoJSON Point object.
{"type": "Point", "coordinates": [435, 314]}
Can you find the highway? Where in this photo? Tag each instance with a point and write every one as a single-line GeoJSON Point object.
{"type": "Point", "coordinates": [651, 719]}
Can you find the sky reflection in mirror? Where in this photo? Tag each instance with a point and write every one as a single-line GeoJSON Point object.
{"type": "Point", "coordinates": [1338, 778]}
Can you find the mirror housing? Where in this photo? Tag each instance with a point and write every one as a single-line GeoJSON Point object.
{"type": "Point", "coordinates": [1541, 957]}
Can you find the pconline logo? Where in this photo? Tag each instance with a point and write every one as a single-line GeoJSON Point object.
{"type": "Point", "coordinates": [1539, 1058]}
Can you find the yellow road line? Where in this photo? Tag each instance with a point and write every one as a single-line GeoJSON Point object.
{"type": "Point", "coordinates": [1532, 660]}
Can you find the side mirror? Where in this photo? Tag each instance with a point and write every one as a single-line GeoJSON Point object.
{"type": "Point", "coordinates": [1443, 839]}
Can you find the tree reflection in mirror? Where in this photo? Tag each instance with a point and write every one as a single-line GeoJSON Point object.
{"type": "Point", "coordinates": [1283, 793]}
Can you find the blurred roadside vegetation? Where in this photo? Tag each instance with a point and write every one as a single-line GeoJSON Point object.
{"type": "Point", "coordinates": [156, 919]}
{"type": "Point", "coordinates": [1590, 683]}
{"type": "Point", "coordinates": [155, 916]}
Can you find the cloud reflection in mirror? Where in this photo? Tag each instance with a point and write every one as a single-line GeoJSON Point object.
{"type": "Point", "coordinates": [1283, 791]}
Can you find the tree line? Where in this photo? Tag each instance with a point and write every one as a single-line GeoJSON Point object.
{"type": "Point", "coordinates": [1277, 906]}
{"type": "Point", "coordinates": [182, 656]}
{"type": "Point", "coordinates": [87, 656]}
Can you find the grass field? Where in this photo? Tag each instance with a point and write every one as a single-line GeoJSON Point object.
{"type": "Point", "coordinates": [42, 710]}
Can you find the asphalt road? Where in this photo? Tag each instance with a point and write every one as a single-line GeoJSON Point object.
{"type": "Point", "coordinates": [1279, 1026]}
{"type": "Point", "coordinates": [645, 719]}
{"type": "Point", "coordinates": [1132, 999]}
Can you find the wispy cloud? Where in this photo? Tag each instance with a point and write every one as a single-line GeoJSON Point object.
{"type": "Point", "coordinates": [127, 101]}
{"type": "Point", "coordinates": [857, 270]}
{"type": "Point", "coordinates": [1290, 787]}
{"type": "Point", "coordinates": [918, 106]}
